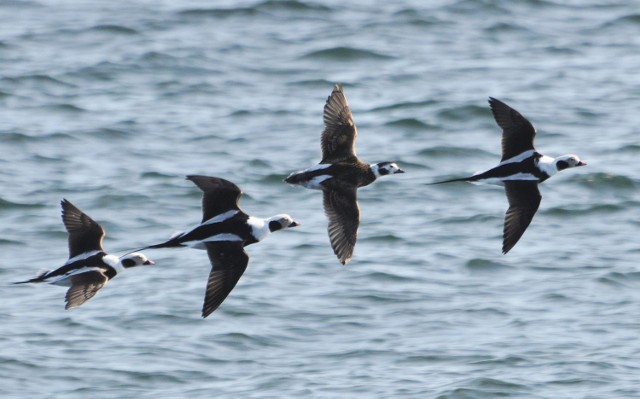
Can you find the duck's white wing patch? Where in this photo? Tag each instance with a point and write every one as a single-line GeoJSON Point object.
{"type": "Point", "coordinates": [221, 217]}
{"type": "Point", "coordinates": [518, 158]}
{"type": "Point", "coordinates": [520, 176]}
{"type": "Point", "coordinates": [81, 256]}
{"type": "Point", "coordinates": [216, 238]}
{"type": "Point", "coordinates": [315, 183]}
{"type": "Point", "coordinates": [319, 166]}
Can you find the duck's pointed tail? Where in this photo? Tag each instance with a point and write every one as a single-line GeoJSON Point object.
{"type": "Point", "coordinates": [467, 179]}
{"type": "Point", "coordinates": [295, 178]}
{"type": "Point", "coordinates": [156, 246]}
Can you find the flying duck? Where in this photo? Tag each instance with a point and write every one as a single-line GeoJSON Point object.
{"type": "Point", "coordinates": [340, 173]}
{"type": "Point", "coordinates": [224, 232]}
{"type": "Point", "coordinates": [521, 169]}
{"type": "Point", "coordinates": [89, 268]}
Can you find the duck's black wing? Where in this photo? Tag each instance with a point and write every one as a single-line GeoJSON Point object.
{"type": "Point", "coordinates": [524, 200]}
{"type": "Point", "coordinates": [517, 132]}
{"type": "Point", "coordinates": [84, 286]}
{"type": "Point", "coordinates": [338, 139]}
{"type": "Point", "coordinates": [228, 263]}
{"type": "Point", "coordinates": [219, 195]}
{"type": "Point", "coordinates": [343, 212]}
{"type": "Point", "coordinates": [85, 235]}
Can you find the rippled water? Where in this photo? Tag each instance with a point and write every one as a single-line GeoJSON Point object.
{"type": "Point", "coordinates": [111, 104]}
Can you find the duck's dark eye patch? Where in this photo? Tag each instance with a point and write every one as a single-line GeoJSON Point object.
{"type": "Point", "coordinates": [128, 262]}
{"type": "Point", "coordinates": [562, 165]}
{"type": "Point", "coordinates": [274, 226]}
{"type": "Point", "coordinates": [383, 171]}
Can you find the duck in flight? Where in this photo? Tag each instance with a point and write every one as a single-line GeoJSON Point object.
{"type": "Point", "coordinates": [224, 232]}
{"type": "Point", "coordinates": [340, 173]}
{"type": "Point", "coordinates": [521, 169]}
{"type": "Point", "coordinates": [89, 268]}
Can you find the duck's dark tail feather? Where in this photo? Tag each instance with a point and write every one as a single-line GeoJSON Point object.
{"type": "Point", "coordinates": [168, 244]}
{"type": "Point", "coordinates": [451, 181]}
{"type": "Point", "coordinates": [37, 279]}
{"type": "Point", "coordinates": [296, 178]}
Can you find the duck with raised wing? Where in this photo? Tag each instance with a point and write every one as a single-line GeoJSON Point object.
{"type": "Point", "coordinates": [224, 232]}
{"type": "Point", "coordinates": [521, 169]}
{"type": "Point", "coordinates": [89, 268]}
{"type": "Point", "coordinates": [339, 175]}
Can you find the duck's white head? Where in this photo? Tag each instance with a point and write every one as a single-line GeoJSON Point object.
{"type": "Point", "coordinates": [281, 222]}
{"type": "Point", "coordinates": [568, 161]}
{"type": "Point", "coordinates": [135, 259]}
{"type": "Point", "coordinates": [385, 168]}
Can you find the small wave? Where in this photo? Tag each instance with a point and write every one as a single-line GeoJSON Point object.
{"type": "Point", "coordinates": [37, 79]}
{"type": "Point", "coordinates": [405, 105]}
{"type": "Point", "coordinates": [508, 360]}
{"type": "Point", "coordinates": [463, 112]}
{"type": "Point", "coordinates": [240, 113]}
{"type": "Point", "coordinates": [244, 340]}
{"type": "Point", "coordinates": [555, 297]}
{"type": "Point", "coordinates": [156, 175]}
{"type": "Point", "coordinates": [346, 53]}
{"type": "Point", "coordinates": [110, 133]}
{"type": "Point", "coordinates": [259, 163]}
{"type": "Point", "coordinates": [292, 5]}
{"type": "Point", "coordinates": [43, 159]}
{"type": "Point", "coordinates": [481, 7]}
{"type": "Point", "coordinates": [604, 181]}
{"type": "Point", "coordinates": [158, 56]}
{"type": "Point", "coordinates": [6, 204]}
{"type": "Point", "coordinates": [619, 279]}
{"type": "Point", "coordinates": [484, 388]}
{"type": "Point", "coordinates": [114, 29]}
{"type": "Point", "coordinates": [380, 276]}
{"type": "Point", "coordinates": [411, 123]}
{"type": "Point", "coordinates": [14, 137]}
{"type": "Point", "coordinates": [273, 178]}
{"type": "Point", "coordinates": [269, 5]}
{"type": "Point", "coordinates": [561, 50]}
{"type": "Point", "coordinates": [319, 83]}
{"type": "Point", "coordinates": [218, 12]}
{"type": "Point", "coordinates": [485, 265]}
{"type": "Point", "coordinates": [382, 238]}
{"type": "Point", "coordinates": [495, 383]}
{"type": "Point", "coordinates": [65, 107]}
{"type": "Point", "coordinates": [632, 19]}
{"type": "Point", "coordinates": [633, 148]}
{"type": "Point", "coordinates": [103, 71]}
{"type": "Point", "coordinates": [414, 17]}
{"type": "Point", "coordinates": [450, 151]}
{"type": "Point", "coordinates": [360, 354]}
{"type": "Point", "coordinates": [487, 311]}
{"type": "Point", "coordinates": [590, 209]}
{"type": "Point", "coordinates": [506, 27]}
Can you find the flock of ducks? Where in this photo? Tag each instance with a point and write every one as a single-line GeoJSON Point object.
{"type": "Point", "coordinates": [225, 229]}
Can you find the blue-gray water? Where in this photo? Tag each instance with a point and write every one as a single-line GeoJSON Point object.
{"type": "Point", "coordinates": [110, 104]}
